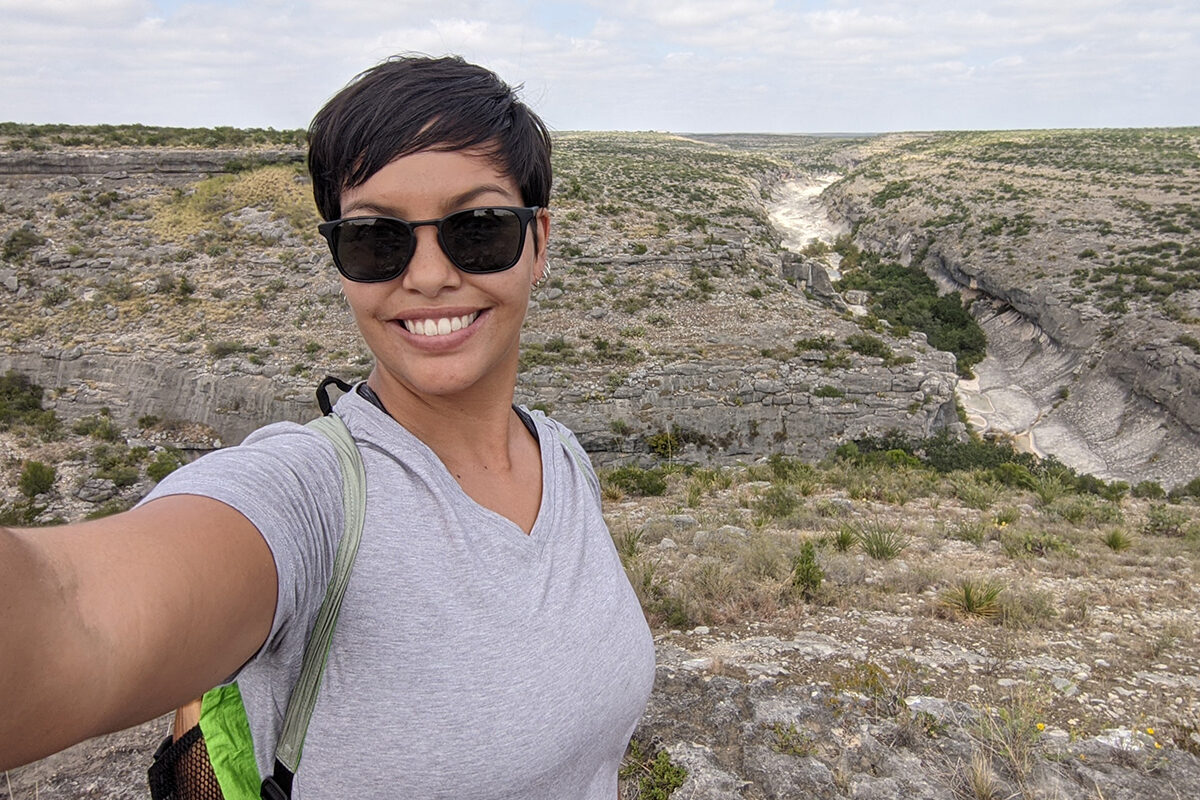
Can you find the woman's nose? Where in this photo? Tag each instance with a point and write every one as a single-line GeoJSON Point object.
{"type": "Point", "coordinates": [430, 270]}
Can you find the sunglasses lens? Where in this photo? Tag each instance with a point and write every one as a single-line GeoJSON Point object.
{"type": "Point", "coordinates": [373, 249]}
{"type": "Point", "coordinates": [483, 239]}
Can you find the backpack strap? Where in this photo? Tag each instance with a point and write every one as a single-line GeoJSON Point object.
{"type": "Point", "coordinates": [304, 694]}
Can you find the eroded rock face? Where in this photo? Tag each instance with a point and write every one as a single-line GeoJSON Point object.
{"type": "Point", "coordinates": [138, 161]}
{"type": "Point", "coordinates": [723, 411]}
{"type": "Point", "coordinates": [116, 305]}
{"type": "Point", "coordinates": [231, 405]}
{"type": "Point", "coordinates": [1088, 321]}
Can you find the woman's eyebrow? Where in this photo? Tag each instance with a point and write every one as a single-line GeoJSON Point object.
{"type": "Point", "coordinates": [450, 204]}
{"type": "Point", "coordinates": [460, 200]}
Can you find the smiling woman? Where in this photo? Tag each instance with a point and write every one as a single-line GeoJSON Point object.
{"type": "Point", "coordinates": [488, 643]}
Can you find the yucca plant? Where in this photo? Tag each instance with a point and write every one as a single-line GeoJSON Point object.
{"type": "Point", "coordinates": [977, 597]}
{"type": "Point", "coordinates": [1117, 540]}
{"type": "Point", "coordinates": [844, 539]}
{"type": "Point", "coordinates": [881, 541]}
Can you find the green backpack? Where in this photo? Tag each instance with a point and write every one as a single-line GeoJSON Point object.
{"type": "Point", "coordinates": [215, 759]}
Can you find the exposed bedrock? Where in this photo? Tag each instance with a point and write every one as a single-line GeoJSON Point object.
{"type": "Point", "coordinates": [715, 411]}
{"type": "Point", "coordinates": [1110, 397]}
{"type": "Point", "coordinates": [724, 411]}
{"type": "Point", "coordinates": [78, 384]}
{"type": "Point", "coordinates": [144, 160]}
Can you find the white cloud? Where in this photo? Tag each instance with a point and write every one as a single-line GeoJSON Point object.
{"type": "Point", "coordinates": [823, 64]}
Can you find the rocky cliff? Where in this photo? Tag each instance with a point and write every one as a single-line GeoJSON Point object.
{"type": "Point", "coordinates": [159, 282]}
{"type": "Point", "coordinates": [1081, 251]}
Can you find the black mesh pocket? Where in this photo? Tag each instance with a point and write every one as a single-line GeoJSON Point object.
{"type": "Point", "coordinates": [181, 770]}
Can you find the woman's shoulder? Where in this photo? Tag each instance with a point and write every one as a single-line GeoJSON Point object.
{"type": "Point", "coordinates": [563, 438]}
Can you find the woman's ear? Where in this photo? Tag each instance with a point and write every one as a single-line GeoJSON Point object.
{"type": "Point", "coordinates": [541, 244]}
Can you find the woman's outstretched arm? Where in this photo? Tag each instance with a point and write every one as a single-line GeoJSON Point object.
{"type": "Point", "coordinates": [108, 623]}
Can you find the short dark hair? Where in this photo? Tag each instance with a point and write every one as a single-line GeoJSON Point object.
{"type": "Point", "coordinates": [412, 103]}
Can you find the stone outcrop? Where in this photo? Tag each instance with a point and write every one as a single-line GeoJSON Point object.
{"type": "Point", "coordinates": [81, 383]}
{"type": "Point", "coordinates": [1109, 390]}
{"type": "Point", "coordinates": [725, 411]}
{"type": "Point", "coordinates": [162, 161]}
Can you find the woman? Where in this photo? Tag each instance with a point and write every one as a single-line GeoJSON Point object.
{"type": "Point", "coordinates": [489, 644]}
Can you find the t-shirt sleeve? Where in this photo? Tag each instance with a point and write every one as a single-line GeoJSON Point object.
{"type": "Point", "coordinates": [576, 455]}
{"type": "Point", "coordinates": [286, 479]}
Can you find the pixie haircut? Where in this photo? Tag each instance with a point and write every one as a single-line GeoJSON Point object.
{"type": "Point", "coordinates": [412, 103]}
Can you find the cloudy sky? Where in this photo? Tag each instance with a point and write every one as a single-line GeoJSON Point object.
{"type": "Point", "coordinates": [701, 65]}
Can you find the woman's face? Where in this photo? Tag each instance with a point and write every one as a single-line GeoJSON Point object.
{"type": "Point", "coordinates": [436, 330]}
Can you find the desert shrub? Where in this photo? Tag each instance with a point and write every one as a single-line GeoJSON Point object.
{"type": "Point", "coordinates": [656, 776]}
{"type": "Point", "coordinates": [975, 491]}
{"type": "Point", "coordinates": [100, 426]}
{"type": "Point", "coordinates": [974, 596]}
{"type": "Point", "coordinates": [974, 532]}
{"type": "Point", "coordinates": [221, 349]}
{"type": "Point", "coordinates": [1149, 490]}
{"type": "Point", "coordinates": [1117, 540]}
{"type": "Point", "coordinates": [1023, 610]}
{"type": "Point", "coordinates": [1015, 475]}
{"type": "Point", "coordinates": [664, 445]}
{"type": "Point", "coordinates": [21, 405]}
{"type": "Point", "coordinates": [36, 478]}
{"type": "Point", "coordinates": [881, 541]}
{"type": "Point", "coordinates": [1085, 510]}
{"type": "Point", "coordinates": [166, 462]}
{"type": "Point", "coordinates": [20, 512]}
{"type": "Point", "coordinates": [777, 502]}
{"type": "Point", "coordinates": [20, 242]}
{"type": "Point", "coordinates": [1162, 520]}
{"type": "Point", "coordinates": [867, 345]}
{"type": "Point", "coordinates": [637, 481]}
{"type": "Point", "coordinates": [806, 574]}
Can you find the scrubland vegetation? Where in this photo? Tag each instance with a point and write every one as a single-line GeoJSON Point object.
{"type": "Point", "coordinates": [662, 254]}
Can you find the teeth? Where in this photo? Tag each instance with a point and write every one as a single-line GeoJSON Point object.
{"type": "Point", "coordinates": [441, 326]}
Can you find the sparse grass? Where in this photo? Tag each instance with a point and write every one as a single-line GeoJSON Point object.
{"type": "Point", "coordinates": [791, 741]}
{"type": "Point", "coordinates": [649, 777]}
{"type": "Point", "coordinates": [1010, 733]}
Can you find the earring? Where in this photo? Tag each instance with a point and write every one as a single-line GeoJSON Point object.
{"type": "Point", "coordinates": [540, 282]}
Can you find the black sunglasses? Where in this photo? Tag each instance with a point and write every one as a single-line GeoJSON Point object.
{"type": "Point", "coordinates": [478, 240]}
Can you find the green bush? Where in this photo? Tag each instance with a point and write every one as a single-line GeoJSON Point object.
{"type": "Point", "coordinates": [908, 299]}
{"type": "Point", "coordinates": [36, 478]}
{"type": "Point", "coordinates": [777, 502]}
{"type": "Point", "coordinates": [664, 445]}
{"type": "Point", "coordinates": [637, 481]}
{"type": "Point", "coordinates": [1017, 475]}
{"type": "Point", "coordinates": [100, 427]}
{"type": "Point", "coordinates": [166, 462]}
{"type": "Point", "coordinates": [867, 345]}
{"type": "Point", "coordinates": [20, 512]}
{"type": "Point", "coordinates": [657, 777]}
{"type": "Point", "coordinates": [1162, 520]}
{"type": "Point", "coordinates": [20, 242]}
{"type": "Point", "coordinates": [21, 404]}
{"type": "Point", "coordinates": [806, 572]}
{"type": "Point", "coordinates": [1149, 490]}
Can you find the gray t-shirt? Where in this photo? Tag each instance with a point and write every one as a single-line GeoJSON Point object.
{"type": "Point", "coordinates": [470, 660]}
